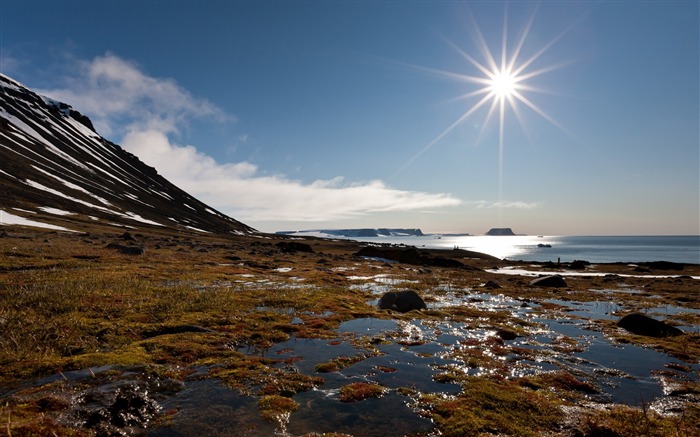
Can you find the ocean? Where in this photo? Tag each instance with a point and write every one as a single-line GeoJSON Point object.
{"type": "Point", "coordinates": [604, 249]}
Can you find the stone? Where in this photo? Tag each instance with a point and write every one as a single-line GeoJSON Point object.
{"type": "Point", "coordinates": [664, 265]}
{"type": "Point", "coordinates": [506, 334]}
{"type": "Point", "coordinates": [556, 281]}
{"type": "Point", "coordinates": [294, 246]}
{"type": "Point", "coordinates": [126, 236]}
{"type": "Point", "coordinates": [402, 301]}
{"type": "Point", "coordinates": [640, 324]}
{"type": "Point", "coordinates": [579, 265]}
{"type": "Point", "coordinates": [127, 250]}
{"type": "Point", "coordinates": [411, 255]}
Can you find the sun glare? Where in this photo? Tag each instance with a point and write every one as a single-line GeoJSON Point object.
{"type": "Point", "coordinates": [503, 84]}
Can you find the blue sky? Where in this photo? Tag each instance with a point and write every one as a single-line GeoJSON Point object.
{"type": "Point", "coordinates": [302, 115]}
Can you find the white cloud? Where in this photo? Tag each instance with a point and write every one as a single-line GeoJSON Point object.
{"type": "Point", "coordinates": [112, 90]}
{"type": "Point", "coordinates": [115, 92]}
{"type": "Point", "coordinates": [238, 190]}
{"type": "Point", "coordinates": [519, 204]}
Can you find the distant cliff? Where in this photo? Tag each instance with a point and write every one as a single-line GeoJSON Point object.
{"type": "Point", "coordinates": [363, 232]}
{"type": "Point", "coordinates": [500, 231]}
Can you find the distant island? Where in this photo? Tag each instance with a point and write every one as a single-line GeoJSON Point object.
{"type": "Point", "coordinates": [390, 232]}
{"type": "Point", "coordinates": [500, 231]}
{"type": "Point", "coordinates": [362, 232]}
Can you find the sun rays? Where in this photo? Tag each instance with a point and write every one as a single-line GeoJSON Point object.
{"type": "Point", "coordinates": [502, 79]}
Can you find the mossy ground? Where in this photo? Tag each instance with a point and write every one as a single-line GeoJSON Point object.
{"type": "Point", "coordinates": [202, 301]}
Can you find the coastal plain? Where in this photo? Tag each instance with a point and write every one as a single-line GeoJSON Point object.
{"type": "Point", "coordinates": [157, 333]}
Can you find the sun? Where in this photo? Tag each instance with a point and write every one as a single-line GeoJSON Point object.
{"type": "Point", "coordinates": [503, 84]}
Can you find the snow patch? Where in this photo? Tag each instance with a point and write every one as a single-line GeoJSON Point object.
{"type": "Point", "coordinates": [137, 217]}
{"type": "Point", "coordinates": [197, 229]}
{"type": "Point", "coordinates": [74, 186]}
{"type": "Point", "coordinates": [10, 219]}
{"type": "Point", "coordinates": [39, 186]}
{"type": "Point", "coordinates": [55, 211]}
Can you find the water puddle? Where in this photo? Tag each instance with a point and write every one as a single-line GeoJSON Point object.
{"type": "Point", "coordinates": [421, 355]}
{"type": "Point", "coordinates": [208, 408]}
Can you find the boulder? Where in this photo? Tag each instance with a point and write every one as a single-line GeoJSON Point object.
{"type": "Point", "coordinates": [664, 265]}
{"type": "Point", "coordinates": [127, 250]}
{"type": "Point", "coordinates": [579, 265]}
{"type": "Point", "coordinates": [507, 334]}
{"type": "Point", "coordinates": [401, 301]}
{"type": "Point", "coordinates": [549, 281]}
{"type": "Point", "coordinates": [640, 324]}
{"type": "Point", "coordinates": [438, 261]}
{"type": "Point", "coordinates": [126, 236]}
{"type": "Point", "coordinates": [411, 255]}
{"type": "Point", "coordinates": [294, 246]}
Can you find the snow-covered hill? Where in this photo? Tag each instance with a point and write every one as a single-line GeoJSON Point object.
{"type": "Point", "coordinates": [56, 171]}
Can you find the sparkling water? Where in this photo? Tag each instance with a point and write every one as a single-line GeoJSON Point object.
{"type": "Point", "coordinates": [681, 249]}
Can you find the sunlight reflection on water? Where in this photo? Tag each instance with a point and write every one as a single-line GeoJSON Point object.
{"type": "Point", "coordinates": [500, 247]}
{"type": "Point", "coordinates": [682, 249]}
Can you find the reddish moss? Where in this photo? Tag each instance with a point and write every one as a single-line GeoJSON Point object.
{"type": "Point", "coordinates": [358, 391]}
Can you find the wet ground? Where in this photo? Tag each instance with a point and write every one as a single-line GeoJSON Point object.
{"type": "Point", "coordinates": [321, 313]}
{"type": "Point", "coordinates": [551, 335]}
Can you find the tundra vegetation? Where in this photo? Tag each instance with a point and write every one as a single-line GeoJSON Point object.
{"type": "Point", "coordinates": [197, 306]}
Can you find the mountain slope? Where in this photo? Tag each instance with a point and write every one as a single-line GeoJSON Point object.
{"type": "Point", "coordinates": [54, 168]}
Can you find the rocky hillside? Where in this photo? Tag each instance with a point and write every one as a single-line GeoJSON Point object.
{"type": "Point", "coordinates": [55, 169]}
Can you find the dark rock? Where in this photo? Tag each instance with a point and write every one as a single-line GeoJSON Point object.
{"type": "Point", "coordinates": [640, 324]}
{"type": "Point", "coordinates": [294, 246]}
{"type": "Point", "coordinates": [579, 265]}
{"type": "Point", "coordinates": [257, 265]}
{"type": "Point", "coordinates": [111, 413]}
{"type": "Point", "coordinates": [439, 261]}
{"type": "Point", "coordinates": [492, 284]}
{"type": "Point", "coordinates": [664, 265]}
{"type": "Point", "coordinates": [549, 281]}
{"type": "Point", "coordinates": [402, 301]}
{"type": "Point", "coordinates": [411, 255]}
{"type": "Point", "coordinates": [127, 237]}
{"type": "Point", "coordinates": [507, 334]}
{"type": "Point", "coordinates": [127, 250]}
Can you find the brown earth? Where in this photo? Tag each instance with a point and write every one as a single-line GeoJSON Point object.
{"type": "Point", "coordinates": [72, 301]}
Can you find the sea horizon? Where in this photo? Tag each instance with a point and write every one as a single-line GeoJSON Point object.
{"type": "Point", "coordinates": [543, 248]}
